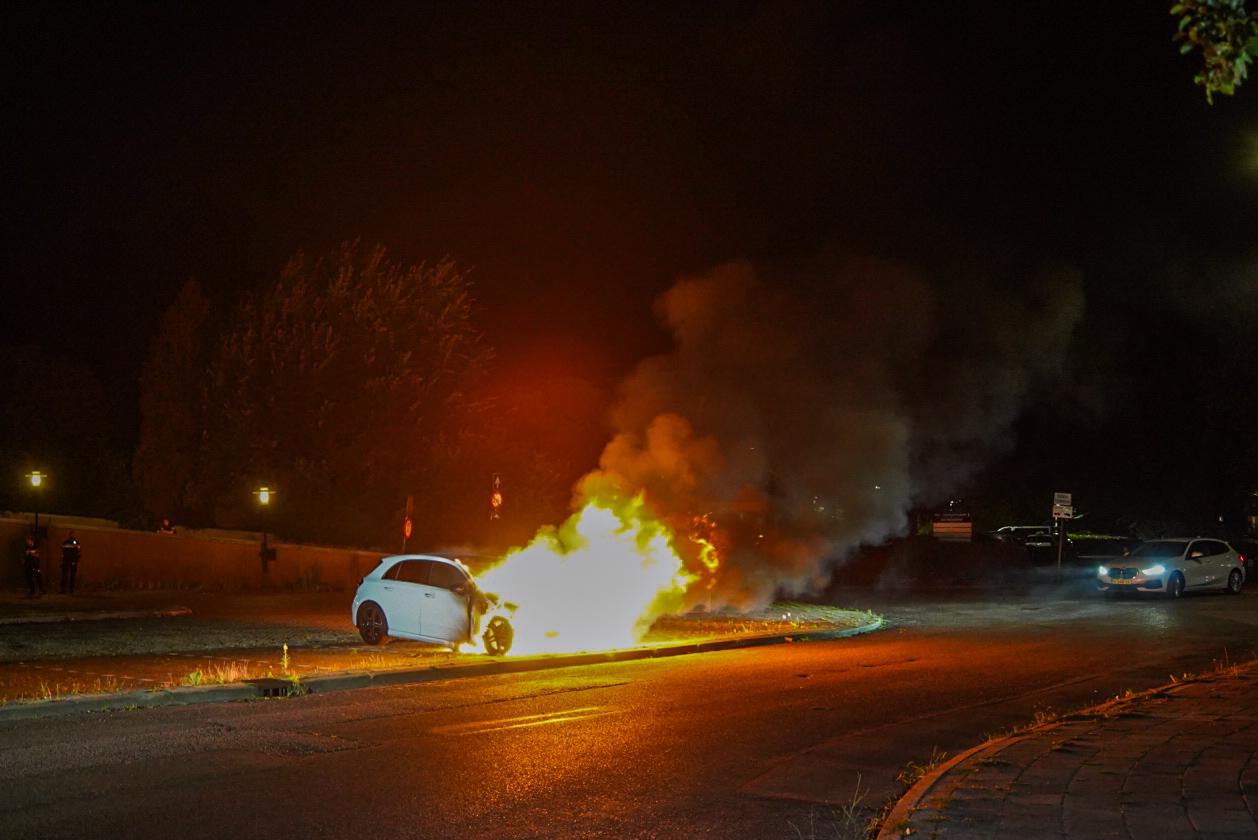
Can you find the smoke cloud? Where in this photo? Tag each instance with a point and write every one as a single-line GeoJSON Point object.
{"type": "Point", "coordinates": [805, 414]}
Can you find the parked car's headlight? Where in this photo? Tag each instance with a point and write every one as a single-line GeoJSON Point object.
{"type": "Point", "coordinates": [1102, 570]}
{"type": "Point", "coordinates": [1155, 569]}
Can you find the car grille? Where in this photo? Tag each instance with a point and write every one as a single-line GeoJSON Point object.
{"type": "Point", "coordinates": [1122, 573]}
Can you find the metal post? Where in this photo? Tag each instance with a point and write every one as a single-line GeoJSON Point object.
{"type": "Point", "coordinates": [1061, 544]}
{"type": "Point", "coordinates": [406, 522]}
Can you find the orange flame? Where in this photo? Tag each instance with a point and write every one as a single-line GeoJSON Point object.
{"type": "Point", "coordinates": [597, 581]}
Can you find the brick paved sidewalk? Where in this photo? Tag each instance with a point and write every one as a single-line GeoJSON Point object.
{"type": "Point", "coordinates": [1175, 762]}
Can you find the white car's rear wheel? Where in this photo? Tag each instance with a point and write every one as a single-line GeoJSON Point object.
{"type": "Point", "coordinates": [372, 624]}
{"type": "Point", "coordinates": [1235, 581]}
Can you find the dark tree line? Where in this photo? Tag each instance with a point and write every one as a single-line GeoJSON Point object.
{"type": "Point", "coordinates": [338, 385]}
{"type": "Point", "coordinates": [350, 383]}
{"type": "Point", "coordinates": [344, 385]}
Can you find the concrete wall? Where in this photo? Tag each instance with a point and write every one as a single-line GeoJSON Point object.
{"type": "Point", "coordinates": [117, 558]}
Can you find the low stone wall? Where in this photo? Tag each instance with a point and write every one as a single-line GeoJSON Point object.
{"type": "Point", "coordinates": [118, 558]}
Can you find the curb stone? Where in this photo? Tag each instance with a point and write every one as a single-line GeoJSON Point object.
{"type": "Point", "coordinates": [95, 615]}
{"type": "Point", "coordinates": [348, 680]}
{"type": "Point", "coordinates": [908, 803]}
{"type": "Point", "coordinates": [126, 700]}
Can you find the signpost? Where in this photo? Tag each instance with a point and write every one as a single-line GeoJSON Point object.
{"type": "Point", "coordinates": [495, 498]}
{"type": "Point", "coordinates": [407, 525]}
{"type": "Point", "coordinates": [1063, 510]}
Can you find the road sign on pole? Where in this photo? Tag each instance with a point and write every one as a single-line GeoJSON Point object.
{"type": "Point", "coordinates": [407, 525]}
{"type": "Point", "coordinates": [495, 498]}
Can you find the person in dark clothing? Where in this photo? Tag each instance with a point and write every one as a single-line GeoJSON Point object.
{"type": "Point", "coordinates": [69, 564]}
{"type": "Point", "coordinates": [32, 565]}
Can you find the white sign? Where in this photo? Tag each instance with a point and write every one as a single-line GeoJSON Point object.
{"type": "Point", "coordinates": [1061, 500]}
{"type": "Point", "coordinates": [1062, 507]}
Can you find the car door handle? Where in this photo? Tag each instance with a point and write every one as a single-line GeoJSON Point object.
{"type": "Point", "coordinates": [387, 588]}
{"type": "Point", "coordinates": [429, 595]}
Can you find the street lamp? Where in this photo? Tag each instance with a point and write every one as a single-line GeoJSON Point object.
{"type": "Point", "coordinates": [36, 479]}
{"type": "Point", "coordinates": [264, 495]}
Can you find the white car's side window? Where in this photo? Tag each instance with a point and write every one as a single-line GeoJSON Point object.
{"type": "Point", "coordinates": [447, 577]}
{"type": "Point", "coordinates": [414, 571]}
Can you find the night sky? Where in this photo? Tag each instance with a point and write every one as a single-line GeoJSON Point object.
{"type": "Point", "coordinates": [579, 157]}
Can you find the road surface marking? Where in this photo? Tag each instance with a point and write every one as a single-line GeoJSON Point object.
{"type": "Point", "coordinates": [523, 722]}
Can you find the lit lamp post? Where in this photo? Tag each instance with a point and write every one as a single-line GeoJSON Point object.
{"type": "Point", "coordinates": [264, 495]}
{"type": "Point", "coordinates": [36, 479]}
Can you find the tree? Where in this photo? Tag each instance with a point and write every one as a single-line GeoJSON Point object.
{"type": "Point", "coordinates": [1227, 37]}
{"type": "Point", "coordinates": [344, 385]}
{"type": "Point", "coordinates": [172, 398]}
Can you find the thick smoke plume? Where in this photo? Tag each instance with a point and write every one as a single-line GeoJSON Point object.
{"type": "Point", "coordinates": [796, 420]}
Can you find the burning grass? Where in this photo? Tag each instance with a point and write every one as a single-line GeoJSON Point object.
{"type": "Point", "coordinates": [777, 619]}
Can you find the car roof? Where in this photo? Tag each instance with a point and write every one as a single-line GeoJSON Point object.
{"type": "Point", "coordinates": [396, 558]}
{"type": "Point", "coordinates": [419, 557]}
{"type": "Point", "coordinates": [1185, 539]}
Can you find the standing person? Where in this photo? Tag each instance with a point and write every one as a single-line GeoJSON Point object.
{"type": "Point", "coordinates": [31, 565]}
{"type": "Point", "coordinates": [69, 564]}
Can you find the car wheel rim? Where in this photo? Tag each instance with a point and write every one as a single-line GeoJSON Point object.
{"type": "Point", "coordinates": [371, 622]}
{"type": "Point", "coordinates": [1234, 581]}
{"type": "Point", "coordinates": [497, 637]}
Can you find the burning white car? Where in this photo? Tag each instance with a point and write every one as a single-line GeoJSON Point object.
{"type": "Point", "coordinates": [430, 599]}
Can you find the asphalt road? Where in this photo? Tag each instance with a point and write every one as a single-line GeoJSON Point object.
{"type": "Point", "coordinates": [757, 743]}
